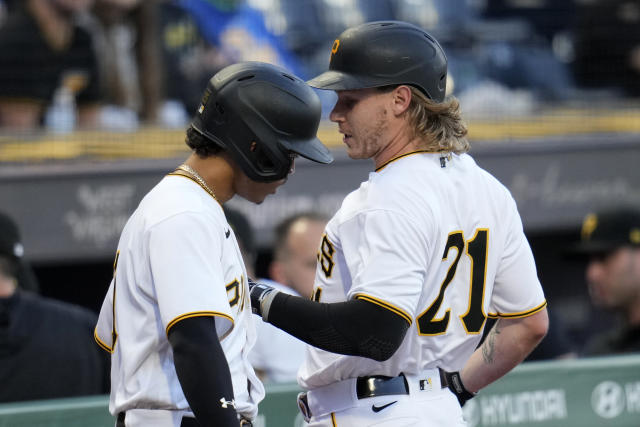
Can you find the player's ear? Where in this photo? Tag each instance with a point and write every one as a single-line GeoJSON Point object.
{"type": "Point", "coordinates": [401, 99]}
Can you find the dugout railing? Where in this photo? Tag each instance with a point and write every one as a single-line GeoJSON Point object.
{"type": "Point", "coordinates": [592, 392]}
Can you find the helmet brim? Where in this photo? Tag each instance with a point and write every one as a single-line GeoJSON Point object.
{"type": "Point", "coordinates": [312, 149]}
{"type": "Point", "coordinates": [336, 80]}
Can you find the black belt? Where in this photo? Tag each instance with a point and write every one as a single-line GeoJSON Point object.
{"type": "Point", "coordinates": [186, 421]}
{"type": "Point", "coordinates": [379, 385]}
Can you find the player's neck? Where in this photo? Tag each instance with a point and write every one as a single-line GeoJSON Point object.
{"type": "Point", "coordinates": [398, 147]}
{"type": "Point", "coordinates": [216, 172]}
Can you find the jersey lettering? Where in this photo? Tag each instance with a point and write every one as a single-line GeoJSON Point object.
{"type": "Point", "coordinates": [316, 294]}
{"type": "Point", "coordinates": [234, 289]}
{"type": "Point", "coordinates": [325, 256]}
{"type": "Point", "coordinates": [473, 320]}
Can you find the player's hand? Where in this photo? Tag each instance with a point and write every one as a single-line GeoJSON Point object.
{"type": "Point", "coordinates": [454, 383]}
{"type": "Point", "coordinates": [261, 297]}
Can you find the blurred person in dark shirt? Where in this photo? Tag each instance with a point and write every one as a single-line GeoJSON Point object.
{"type": "Point", "coordinates": [45, 53]}
{"type": "Point", "coordinates": [126, 35]}
{"type": "Point", "coordinates": [611, 244]}
{"type": "Point", "coordinates": [46, 346]}
{"type": "Point", "coordinates": [189, 60]}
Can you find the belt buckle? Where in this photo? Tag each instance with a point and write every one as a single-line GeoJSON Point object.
{"type": "Point", "coordinates": [380, 385]}
{"type": "Point", "coordinates": [303, 405]}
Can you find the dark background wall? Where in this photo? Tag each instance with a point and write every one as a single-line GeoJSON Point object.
{"type": "Point", "coordinates": [71, 215]}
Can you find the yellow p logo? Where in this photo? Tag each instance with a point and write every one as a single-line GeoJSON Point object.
{"type": "Point", "coordinates": [588, 226]}
{"type": "Point", "coordinates": [334, 48]}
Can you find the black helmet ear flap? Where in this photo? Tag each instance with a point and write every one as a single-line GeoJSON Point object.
{"type": "Point", "coordinates": [263, 158]}
{"type": "Point", "coordinates": [259, 112]}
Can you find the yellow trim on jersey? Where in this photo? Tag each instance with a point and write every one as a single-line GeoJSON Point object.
{"type": "Point", "coordinates": [400, 312]}
{"type": "Point", "coordinates": [333, 419]}
{"type": "Point", "coordinates": [184, 175]}
{"type": "Point", "coordinates": [517, 315]}
{"type": "Point", "coordinates": [379, 168]}
{"type": "Point", "coordinates": [101, 343]}
{"type": "Point", "coordinates": [196, 314]}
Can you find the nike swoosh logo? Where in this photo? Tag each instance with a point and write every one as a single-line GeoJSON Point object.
{"type": "Point", "coordinates": [227, 234]}
{"type": "Point", "coordinates": [375, 408]}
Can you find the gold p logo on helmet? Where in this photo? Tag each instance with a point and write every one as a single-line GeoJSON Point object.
{"type": "Point", "coordinates": [334, 48]}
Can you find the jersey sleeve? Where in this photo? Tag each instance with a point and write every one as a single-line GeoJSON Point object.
{"type": "Point", "coordinates": [517, 290]}
{"type": "Point", "coordinates": [384, 252]}
{"type": "Point", "coordinates": [103, 333]}
{"type": "Point", "coordinates": [185, 253]}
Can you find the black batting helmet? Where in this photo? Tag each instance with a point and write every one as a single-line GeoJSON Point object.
{"type": "Point", "coordinates": [261, 114]}
{"type": "Point", "coordinates": [386, 53]}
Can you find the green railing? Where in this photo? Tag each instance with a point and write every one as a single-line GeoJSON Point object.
{"type": "Point", "coordinates": [574, 393]}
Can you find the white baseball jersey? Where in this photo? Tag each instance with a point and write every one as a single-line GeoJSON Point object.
{"type": "Point", "coordinates": [177, 258]}
{"type": "Point", "coordinates": [438, 242]}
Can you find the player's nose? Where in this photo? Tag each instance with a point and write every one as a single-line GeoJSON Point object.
{"type": "Point", "coordinates": [337, 113]}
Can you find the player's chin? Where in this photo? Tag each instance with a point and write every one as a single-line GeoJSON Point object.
{"type": "Point", "coordinates": [260, 197]}
{"type": "Point", "coordinates": [356, 154]}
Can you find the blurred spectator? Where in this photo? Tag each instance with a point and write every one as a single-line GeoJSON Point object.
{"type": "Point", "coordinates": [607, 46]}
{"type": "Point", "coordinates": [189, 60]}
{"type": "Point", "coordinates": [47, 57]}
{"type": "Point", "coordinates": [611, 241]}
{"type": "Point", "coordinates": [233, 31]}
{"type": "Point", "coordinates": [548, 17]}
{"type": "Point", "coordinates": [277, 355]}
{"type": "Point", "coordinates": [295, 250]}
{"type": "Point", "coordinates": [126, 34]}
{"type": "Point", "coordinates": [240, 32]}
{"type": "Point", "coordinates": [46, 346]}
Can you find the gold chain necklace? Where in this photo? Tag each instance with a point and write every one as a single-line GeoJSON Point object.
{"type": "Point", "coordinates": [188, 169]}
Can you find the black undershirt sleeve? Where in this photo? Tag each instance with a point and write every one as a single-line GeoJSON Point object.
{"type": "Point", "coordinates": [203, 371]}
{"type": "Point", "coordinates": [355, 327]}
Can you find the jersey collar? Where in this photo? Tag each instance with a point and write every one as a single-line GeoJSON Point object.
{"type": "Point", "coordinates": [384, 165]}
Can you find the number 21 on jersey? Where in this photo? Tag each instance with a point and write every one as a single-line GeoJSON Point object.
{"type": "Point", "coordinates": [476, 251]}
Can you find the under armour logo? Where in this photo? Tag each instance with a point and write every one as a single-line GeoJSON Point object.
{"type": "Point", "coordinates": [226, 403]}
{"type": "Point", "coordinates": [227, 233]}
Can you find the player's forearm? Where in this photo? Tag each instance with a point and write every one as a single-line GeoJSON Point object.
{"type": "Point", "coordinates": [506, 345]}
{"type": "Point", "coordinates": [203, 371]}
{"type": "Point", "coordinates": [355, 327]}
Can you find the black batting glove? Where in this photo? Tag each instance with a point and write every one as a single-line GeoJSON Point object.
{"type": "Point", "coordinates": [453, 382]}
{"type": "Point", "coordinates": [261, 297]}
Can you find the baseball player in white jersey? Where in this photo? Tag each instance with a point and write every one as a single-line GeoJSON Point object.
{"type": "Point", "coordinates": [176, 318]}
{"type": "Point", "coordinates": [416, 259]}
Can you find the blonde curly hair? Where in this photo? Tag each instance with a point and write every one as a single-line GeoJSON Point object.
{"type": "Point", "coordinates": [438, 125]}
